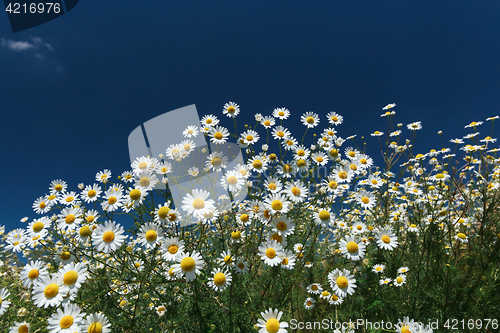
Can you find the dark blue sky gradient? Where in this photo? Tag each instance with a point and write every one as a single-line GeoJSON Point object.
{"type": "Point", "coordinates": [115, 65]}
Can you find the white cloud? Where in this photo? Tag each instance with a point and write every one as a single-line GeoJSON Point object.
{"type": "Point", "coordinates": [19, 45]}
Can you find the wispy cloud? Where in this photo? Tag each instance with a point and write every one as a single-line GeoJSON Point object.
{"type": "Point", "coordinates": [20, 45]}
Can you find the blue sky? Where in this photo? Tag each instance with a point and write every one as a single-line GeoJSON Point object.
{"type": "Point", "coordinates": [73, 89]}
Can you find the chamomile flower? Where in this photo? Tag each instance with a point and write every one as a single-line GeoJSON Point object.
{"type": "Point", "coordinates": [273, 185]}
{"type": "Point", "coordinates": [271, 322]}
{"type": "Point", "coordinates": [218, 134]}
{"type": "Point", "coordinates": [68, 198]}
{"type": "Point", "coordinates": [96, 323]}
{"type": "Point", "coordinates": [250, 137]}
{"type": "Point", "coordinates": [220, 279]}
{"type": "Point", "coordinates": [112, 200]}
{"type": "Point", "coordinates": [288, 260]}
{"type": "Point", "coordinates": [91, 193]}
{"type": "Point", "coordinates": [174, 151]}
{"type": "Point", "coordinates": [296, 191]}
{"type": "Point", "coordinates": [334, 118]}
{"type": "Point", "coordinates": [209, 120]}
{"type": "Point", "coordinates": [108, 237]}
{"type": "Point", "coordinates": [150, 235]}
{"type": "Point", "coordinates": [314, 289]}
{"type": "Point", "coordinates": [103, 176]}
{"type": "Point", "coordinates": [323, 216]}
{"type": "Point", "coordinates": [319, 158]}
{"type": "Point", "coordinates": [415, 126]}
{"type": "Point", "coordinates": [301, 152]}
{"type": "Point", "coordinates": [378, 268]}
{"type": "Point", "coordinates": [461, 237]}
{"type": "Point", "coordinates": [74, 275]}
{"type": "Point", "coordinates": [365, 199]}
{"type": "Point", "coordinates": [58, 186]}
{"type": "Point", "coordinates": [70, 218]}
{"type": "Point", "coordinates": [342, 282]}
{"type": "Point", "coordinates": [216, 161]}
{"type": "Point", "coordinates": [267, 122]}
{"type": "Point", "coordinates": [127, 176]}
{"type": "Point", "coordinates": [66, 320]}
{"type": "Point", "coordinates": [4, 303]}
{"type": "Point", "coordinates": [171, 247]}
{"type": "Point", "coordinates": [257, 164]}
{"type": "Point", "coordinates": [386, 239]}
{"type": "Point", "coordinates": [23, 327]}
{"type": "Point", "coordinates": [279, 133]}
{"type": "Point", "coordinates": [231, 109]}
{"type": "Point", "coordinates": [283, 226]}
{"type": "Point", "coordinates": [33, 273]}
{"type": "Point", "coordinates": [342, 174]}
{"type": "Point", "coordinates": [41, 206]}
{"type": "Point", "coordinates": [271, 252]}
{"type": "Point", "coordinates": [164, 168]}
{"type": "Point", "coordinates": [146, 180]}
{"type": "Point", "coordinates": [144, 163]}
{"type": "Point", "coordinates": [197, 203]}
{"type": "Point", "coordinates": [277, 203]}
{"type": "Point", "coordinates": [241, 266]}
{"type": "Point", "coordinates": [233, 181]}
{"type": "Point", "coordinates": [385, 281]}
{"type": "Point", "coordinates": [237, 236]}
{"type": "Point", "coordinates": [352, 248]}
{"type": "Point", "coordinates": [39, 227]}
{"type": "Point", "coordinates": [281, 113]}
{"type": "Point", "coordinates": [310, 119]}
{"type": "Point", "coordinates": [161, 213]}
{"type": "Point", "coordinates": [287, 169]}
{"type": "Point", "coordinates": [188, 265]}
{"type": "Point", "coordinates": [191, 131]}
{"type": "Point", "coordinates": [309, 303]}
{"type": "Point", "coordinates": [49, 291]}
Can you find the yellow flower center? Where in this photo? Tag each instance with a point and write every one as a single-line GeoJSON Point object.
{"type": "Point", "coordinates": [108, 236]}
{"type": "Point", "coordinates": [58, 187]}
{"type": "Point", "coordinates": [399, 279]}
{"type": "Point", "coordinates": [325, 293]}
{"type": "Point", "coordinates": [112, 200]}
{"type": "Point", "coordinates": [324, 215]}
{"type": "Point", "coordinates": [209, 121]}
{"type": "Point", "coordinates": [70, 218]}
{"type": "Point", "coordinates": [257, 164]}
{"type": "Point", "coordinates": [69, 199]}
{"type": "Point", "coordinates": [295, 190]}
{"type": "Point", "coordinates": [219, 279]}
{"type": "Point", "coordinates": [85, 231]}
{"type": "Point", "coordinates": [66, 321]}
{"type": "Point", "coordinates": [42, 205]}
{"type": "Point", "coordinates": [33, 274]}
{"type": "Point", "coordinates": [405, 329]}
{"type": "Point", "coordinates": [51, 290]}
{"type": "Point", "coordinates": [272, 325]}
{"type": "Point", "coordinates": [353, 167]}
{"type": "Point", "coordinates": [70, 278]}
{"type": "Point", "coordinates": [188, 264]}
{"type": "Point", "coordinates": [363, 161]}
{"type": "Point", "coordinates": [143, 165]}
{"type": "Point", "coordinates": [65, 255]}
{"type": "Point", "coordinates": [352, 154]}
{"type": "Point", "coordinates": [95, 327]}
{"type": "Point", "coordinates": [277, 205]}
{"type": "Point", "coordinates": [249, 138]}
{"type": "Point", "coordinates": [228, 259]}
{"type": "Point", "coordinates": [236, 235]}
{"type": "Point", "coordinates": [277, 237]}
{"type": "Point", "coordinates": [171, 271]}
{"type": "Point", "coordinates": [231, 109]}
{"type": "Point", "coordinates": [310, 120]}
{"type": "Point", "coordinates": [301, 163]}
{"type": "Point", "coordinates": [334, 118]}
{"type": "Point", "coordinates": [23, 328]}
{"type": "Point", "coordinates": [319, 159]}
{"type": "Point", "coordinates": [137, 264]}
{"type": "Point", "coordinates": [232, 180]}
{"type": "Point", "coordinates": [151, 235]}
{"type": "Point", "coordinates": [187, 147]}
{"type": "Point", "coordinates": [301, 152]}
{"type": "Point", "coordinates": [281, 226]}
{"type": "Point", "coordinates": [272, 186]}
{"type": "Point", "coordinates": [267, 123]}
{"type": "Point", "coordinates": [461, 235]}
{"type": "Point", "coordinates": [271, 253]}
{"type": "Point", "coordinates": [386, 239]}
{"type": "Point", "coordinates": [280, 134]}
{"type": "Point", "coordinates": [198, 203]}
{"type": "Point", "coordinates": [37, 227]}
{"type": "Point", "coordinates": [343, 175]}
{"type": "Point", "coordinates": [173, 249]}
{"type": "Point", "coordinates": [413, 226]}
{"type": "Point", "coordinates": [287, 168]}
{"type": "Point", "coordinates": [244, 218]}
{"type": "Point", "coordinates": [284, 261]}
{"type": "Point", "coordinates": [378, 268]}
{"type": "Point", "coordinates": [144, 181]}
{"type": "Point", "coordinates": [163, 212]}
{"type": "Point", "coordinates": [135, 194]}
{"type": "Point", "coordinates": [281, 113]}
{"type": "Point", "coordinates": [365, 200]}
{"type": "Point", "coordinates": [218, 135]}
{"type": "Point", "coordinates": [342, 282]}
{"type": "Point", "coordinates": [374, 182]}
{"type": "Point", "coordinates": [216, 161]}
{"type": "Point", "coordinates": [352, 247]}
{"type": "Point", "coordinates": [314, 287]}
{"type": "Point", "coordinates": [52, 197]}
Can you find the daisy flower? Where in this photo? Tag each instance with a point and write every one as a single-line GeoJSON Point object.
{"type": "Point", "coordinates": [68, 198]}
{"type": "Point", "coordinates": [289, 143]}
{"type": "Point", "coordinates": [161, 213]}
{"type": "Point", "coordinates": [301, 152]}
{"type": "Point", "coordinates": [237, 236]}
{"type": "Point", "coordinates": [314, 289]}
{"type": "Point", "coordinates": [146, 180]}
{"type": "Point", "coordinates": [271, 252]}
{"type": "Point", "coordinates": [66, 320]}
{"type": "Point", "coordinates": [271, 322]}
{"type": "Point", "coordinates": [310, 119]}
{"type": "Point", "coordinates": [406, 326]}
{"type": "Point", "coordinates": [403, 270]}
{"type": "Point", "coordinates": [273, 185]}
{"type": "Point", "coordinates": [250, 137]}
{"type": "Point", "coordinates": [378, 268]}
{"type": "Point", "coordinates": [319, 158]}
{"type": "Point", "coordinates": [144, 163]}
{"type": "Point", "coordinates": [377, 133]}
{"type": "Point", "coordinates": [173, 152]}
{"type": "Point", "coordinates": [342, 282]}
{"type": "Point", "coordinates": [309, 303]}
{"type": "Point", "coordinates": [70, 218]}
{"type": "Point", "coordinates": [16, 240]}
{"type": "Point", "coordinates": [342, 174]}
{"type": "Point", "coordinates": [389, 106]}
{"type": "Point", "coordinates": [96, 323]}
{"type": "Point", "coordinates": [127, 176]}
{"type": "Point", "coordinates": [220, 280]}
{"type": "Point", "coordinates": [33, 273]}
{"type": "Point", "coordinates": [108, 237]}
{"type": "Point", "coordinates": [415, 126]}
{"type": "Point", "coordinates": [243, 170]}
{"type": "Point", "coordinates": [231, 109]}
{"type": "Point", "coordinates": [112, 200]}
{"type": "Point", "coordinates": [352, 248]}
{"type": "Point", "coordinates": [334, 118]}
{"type": "Point", "coordinates": [216, 161]}
{"type": "Point", "coordinates": [187, 265]}
{"type": "Point", "coordinates": [241, 266]}
{"type": "Point", "coordinates": [49, 291]}
{"type": "Point", "coordinates": [4, 303]}
{"type": "Point", "coordinates": [193, 171]}
{"type": "Point", "coordinates": [39, 227]}
{"type": "Point", "coordinates": [41, 206]}
{"type": "Point", "coordinates": [267, 122]}
{"type": "Point", "coordinates": [103, 176]}
{"type": "Point", "coordinates": [233, 181]}
{"type": "Point", "coordinates": [91, 193]}
{"type": "Point", "coordinates": [171, 247]}
{"type": "Point", "coordinates": [386, 239]}
{"type": "Point", "coordinates": [150, 235]}
{"type": "Point", "coordinates": [279, 132]}
{"type": "Point", "coordinates": [283, 226]}
{"type": "Point", "coordinates": [461, 237]}
{"type": "Point", "coordinates": [74, 275]}
{"type": "Point", "coordinates": [191, 131]}
{"type": "Point", "coordinates": [287, 169]}
{"type": "Point", "coordinates": [385, 281]}
{"type": "Point", "coordinates": [23, 327]}
{"type": "Point", "coordinates": [281, 113]}
{"type": "Point", "coordinates": [58, 186]}
{"type": "Point", "coordinates": [164, 168]}
{"type": "Point", "coordinates": [257, 164]}
{"type": "Point", "coordinates": [288, 260]}
{"type": "Point", "coordinates": [218, 134]}
{"type": "Point", "coordinates": [366, 199]}
{"type": "Point", "coordinates": [196, 203]}
{"type": "Point", "coordinates": [277, 203]}
{"type": "Point", "coordinates": [323, 216]}
{"type": "Point", "coordinates": [209, 120]}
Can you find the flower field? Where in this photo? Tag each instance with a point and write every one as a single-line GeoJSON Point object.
{"type": "Point", "coordinates": [310, 230]}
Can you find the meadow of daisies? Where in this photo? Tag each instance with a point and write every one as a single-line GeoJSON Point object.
{"type": "Point", "coordinates": [320, 233]}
